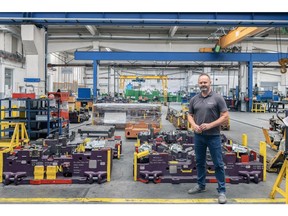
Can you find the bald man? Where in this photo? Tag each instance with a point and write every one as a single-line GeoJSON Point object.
{"type": "Point", "coordinates": [207, 112]}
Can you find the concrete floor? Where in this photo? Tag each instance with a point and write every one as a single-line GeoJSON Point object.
{"type": "Point", "coordinates": [122, 188]}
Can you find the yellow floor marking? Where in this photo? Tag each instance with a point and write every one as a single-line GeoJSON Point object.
{"type": "Point", "coordinates": [136, 200]}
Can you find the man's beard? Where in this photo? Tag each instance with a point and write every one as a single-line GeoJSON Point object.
{"type": "Point", "coordinates": [204, 89]}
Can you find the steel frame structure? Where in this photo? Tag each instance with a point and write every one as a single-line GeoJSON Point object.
{"type": "Point", "coordinates": [249, 58]}
{"type": "Point", "coordinates": [150, 19]}
{"type": "Point", "coordinates": [250, 19]}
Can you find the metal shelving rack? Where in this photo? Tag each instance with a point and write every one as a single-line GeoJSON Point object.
{"type": "Point", "coordinates": [40, 117]}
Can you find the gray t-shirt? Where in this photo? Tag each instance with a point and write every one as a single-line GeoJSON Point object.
{"type": "Point", "coordinates": [207, 109]}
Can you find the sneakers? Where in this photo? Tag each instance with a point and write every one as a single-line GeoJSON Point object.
{"type": "Point", "coordinates": [196, 189]}
{"type": "Point", "coordinates": [222, 198]}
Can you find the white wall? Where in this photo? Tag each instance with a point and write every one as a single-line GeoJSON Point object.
{"type": "Point", "coordinates": [33, 39]}
{"type": "Point", "coordinates": [5, 41]}
{"type": "Point", "coordinates": [19, 73]}
{"type": "Point", "coordinates": [8, 42]}
{"type": "Point", "coordinates": [2, 44]}
{"type": "Point", "coordinates": [18, 68]}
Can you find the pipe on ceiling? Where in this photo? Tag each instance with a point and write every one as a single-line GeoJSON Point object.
{"type": "Point", "coordinates": [143, 20]}
{"type": "Point", "coordinates": [152, 66]}
{"type": "Point", "coordinates": [111, 37]}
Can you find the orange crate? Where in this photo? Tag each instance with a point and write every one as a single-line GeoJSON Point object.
{"type": "Point", "coordinates": [64, 114]}
{"type": "Point", "coordinates": [23, 95]}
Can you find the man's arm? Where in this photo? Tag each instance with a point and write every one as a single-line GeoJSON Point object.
{"type": "Point", "coordinates": [194, 126]}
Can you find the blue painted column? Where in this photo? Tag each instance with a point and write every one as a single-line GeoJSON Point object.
{"type": "Point", "coordinates": [45, 60]}
{"type": "Point", "coordinates": [250, 83]}
{"type": "Point", "coordinates": [95, 66]}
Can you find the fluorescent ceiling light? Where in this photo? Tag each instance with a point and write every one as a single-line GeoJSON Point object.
{"type": "Point", "coordinates": [173, 30]}
{"type": "Point", "coordinates": [92, 29]}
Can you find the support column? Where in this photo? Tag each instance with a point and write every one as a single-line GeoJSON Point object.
{"type": "Point", "coordinates": [33, 39]}
{"type": "Point", "coordinates": [109, 72]}
{"type": "Point", "coordinates": [283, 84]}
{"type": "Point", "coordinates": [186, 80]}
{"type": "Point", "coordinates": [258, 78]}
{"type": "Point", "coordinates": [2, 75]}
{"type": "Point", "coordinates": [228, 82]}
{"type": "Point", "coordinates": [114, 83]}
{"type": "Point", "coordinates": [95, 69]}
{"type": "Point", "coordinates": [45, 63]}
{"type": "Point", "coordinates": [85, 77]}
{"type": "Point", "coordinates": [2, 81]}
{"type": "Point", "coordinates": [243, 86]}
{"type": "Point", "coordinates": [250, 84]}
{"type": "Point", "coordinates": [165, 91]}
{"type": "Point", "coordinates": [118, 83]}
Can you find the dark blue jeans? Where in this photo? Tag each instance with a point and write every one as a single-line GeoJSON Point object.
{"type": "Point", "coordinates": [213, 142]}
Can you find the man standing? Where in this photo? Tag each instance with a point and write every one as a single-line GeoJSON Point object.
{"type": "Point", "coordinates": [207, 112]}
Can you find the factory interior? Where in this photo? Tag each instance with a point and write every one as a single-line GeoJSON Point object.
{"type": "Point", "coordinates": [95, 107]}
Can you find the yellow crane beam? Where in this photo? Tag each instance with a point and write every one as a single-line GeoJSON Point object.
{"type": "Point", "coordinates": [237, 35]}
{"type": "Point", "coordinates": [207, 49]}
{"type": "Point", "coordinates": [142, 77]}
{"type": "Point", "coordinates": [234, 36]}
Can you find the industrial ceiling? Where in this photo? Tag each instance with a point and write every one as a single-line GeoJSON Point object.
{"type": "Point", "coordinates": [150, 28]}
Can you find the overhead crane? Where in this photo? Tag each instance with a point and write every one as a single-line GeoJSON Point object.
{"type": "Point", "coordinates": [237, 35]}
{"type": "Point", "coordinates": [233, 37]}
{"type": "Point", "coordinates": [163, 78]}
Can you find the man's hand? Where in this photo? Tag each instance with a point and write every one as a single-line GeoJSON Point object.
{"type": "Point", "coordinates": [205, 126]}
{"type": "Point", "coordinates": [197, 129]}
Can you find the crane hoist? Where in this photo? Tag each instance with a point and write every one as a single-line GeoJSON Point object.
{"type": "Point", "coordinates": [283, 65]}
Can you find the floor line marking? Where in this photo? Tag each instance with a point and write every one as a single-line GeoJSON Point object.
{"type": "Point", "coordinates": [136, 200]}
